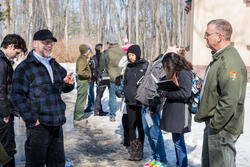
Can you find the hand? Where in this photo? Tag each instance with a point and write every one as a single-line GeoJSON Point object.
{"type": "Point", "coordinates": [69, 79]}
{"type": "Point", "coordinates": [6, 119]}
{"type": "Point", "coordinates": [162, 93]}
{"type": "Point", "coordinates": [37, 123]}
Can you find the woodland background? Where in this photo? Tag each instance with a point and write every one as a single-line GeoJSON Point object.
{"type": "Point", "coordinates": [153, 24]}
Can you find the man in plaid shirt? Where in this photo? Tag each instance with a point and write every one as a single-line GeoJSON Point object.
{"type": "Point", "coordinates": [38, 82]}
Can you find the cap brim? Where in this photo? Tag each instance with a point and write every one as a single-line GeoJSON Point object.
{"type": "Point", "coordinates": [50, 37]}
{"type": "Point", "coordinates": [54, 39]}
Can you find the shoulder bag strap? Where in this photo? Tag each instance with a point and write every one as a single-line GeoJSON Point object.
{"type": "Point", "coordinates": [104, 54]}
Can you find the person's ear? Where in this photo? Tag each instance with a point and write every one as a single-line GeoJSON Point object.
{"type": "Point", "coordinates": [34, 44]}
{"type": "Point", "coordinates": [220, 37]}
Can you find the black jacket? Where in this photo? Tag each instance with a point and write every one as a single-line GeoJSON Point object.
{"type": "Point", "coordinates": [6, 72]}
{"type": "Point", "coordinates": [94, 64]}
{"type": "Point", "coordinates": [176, 117]}
{"type": "Point", "coordinates": [134, 72]}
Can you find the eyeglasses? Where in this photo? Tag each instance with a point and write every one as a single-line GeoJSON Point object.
{"type": "Point", "coordinates": [207, 34]}
{"type": "Point", "coordinates": [48, 43]}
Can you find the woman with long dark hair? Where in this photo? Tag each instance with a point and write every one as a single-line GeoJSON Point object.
{"type": "Point", "coordinates": [175, 117]}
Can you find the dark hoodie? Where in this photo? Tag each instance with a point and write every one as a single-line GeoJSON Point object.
{"type": "Point", "coordinates": [134, 72]}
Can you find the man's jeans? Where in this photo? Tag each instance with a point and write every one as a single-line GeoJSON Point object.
{"type": "Point", "coordinates": [112, 100]}
{"type": "Point", "coordinates": [180, 149]}
{"type": "Point", "coordinates": [218, 148]}
{"type": "Point", "coordinates": [154, 135]}
{"type": "Point", "coordinates": [91, 97]}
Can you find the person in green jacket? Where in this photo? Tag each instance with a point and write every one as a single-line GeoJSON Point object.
{"type": "Point", "coordinates": [83, 77]}
{"type": "Point", "coordinates": [222, 97]}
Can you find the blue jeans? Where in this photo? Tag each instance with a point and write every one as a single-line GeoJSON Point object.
{"type": "Point", "coordinates": [91, 97]}
{"type": "Point", "coordinates": [154, 135]}
{"type": "Point", "coordinates": [180, 149]}
{"type": "Point", "coordinates": [112, 100]}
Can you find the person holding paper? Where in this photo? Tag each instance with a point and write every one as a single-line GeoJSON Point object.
{"type": "Point", "coordinates": [176, 117]}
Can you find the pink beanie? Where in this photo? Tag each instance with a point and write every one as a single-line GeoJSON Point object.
{"type": "Point", "coordinates": [125, 47]}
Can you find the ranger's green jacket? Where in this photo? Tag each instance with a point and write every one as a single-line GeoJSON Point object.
{"type": "Point", "coordinates": [222, 103]}
{"type": "Point", "coordinates": [82, 68]}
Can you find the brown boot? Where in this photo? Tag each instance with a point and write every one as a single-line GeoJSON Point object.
{"type": "Point", "coordinates": [139, 153]}
{"type": "Point", "coordinates": [133, 146]}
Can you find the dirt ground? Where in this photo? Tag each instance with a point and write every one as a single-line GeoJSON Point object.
{"type": "Point", "coordinates": [95, 141]}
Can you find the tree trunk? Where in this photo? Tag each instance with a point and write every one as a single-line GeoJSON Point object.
{"type": "Point", "coordinates": [6, 24]}
{"type": "Point", "coordinates": [66, 37]}
{"type": "Point", "coordinates": [137, 21]}
{"type": "Point", "coordinates": [174, 22]}
{"type": "Point", "coordinates": [131, 5]}
{"type": "Point", "coordinates": [12, 16]}
{"type": "Point", "coordinates": [82, 19]}
{"type": "Point", "coordinates": [30, 22]}
{"type": "Point", "coordinates": [157, 29]}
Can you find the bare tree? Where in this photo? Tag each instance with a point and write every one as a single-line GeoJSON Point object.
{"type": "Point", "coordinates": [30, 23]}
{"type": "Point", "coordinates": [137, 22]}
{"type": "Point", "coordinates": [66, 37]}
{"type": "Point", "coordinates": [6, 23]}
{"type": "Point", "coordinates": [46, 12]}
{"type": "Point", "coordinates": [131, 5]}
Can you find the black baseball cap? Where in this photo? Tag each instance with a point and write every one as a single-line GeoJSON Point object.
{"type": "Point", "coordinates": [43, 35]}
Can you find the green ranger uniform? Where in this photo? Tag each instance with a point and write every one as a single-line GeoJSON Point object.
{"type": "Point", "coordinates": [83, 77]}
{"type": "Point", "coordinates": [222, 104]}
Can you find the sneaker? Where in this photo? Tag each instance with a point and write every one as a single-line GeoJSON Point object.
{"type": "Point", "coordinates": [150, 163]}
{"type": "Point", "coordinates": [155, 164]}
{"type": "Point", "coordinates": [161, 164]}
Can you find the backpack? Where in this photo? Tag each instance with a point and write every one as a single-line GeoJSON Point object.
{"type": "Point", "coordinates": [119, 82]}
{"type": "Point", "coordinates": [195, 96]}
{"type": "Point", "coordinates": [147, 90]}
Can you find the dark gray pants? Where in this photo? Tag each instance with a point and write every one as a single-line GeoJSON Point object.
{"type": "Point", "coordinates": [218, 148]}
{"type": "Point", "coordinates": [44, 145]}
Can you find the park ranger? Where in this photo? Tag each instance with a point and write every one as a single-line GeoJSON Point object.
{"type": "Point", "coordinates": [221, 104]}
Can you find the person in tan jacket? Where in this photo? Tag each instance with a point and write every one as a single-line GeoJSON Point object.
{"type": "Point", "coordinates": [83, 77]}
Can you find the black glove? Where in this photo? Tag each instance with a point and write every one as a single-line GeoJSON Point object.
{"type": "Point", "coordinates": [153, 103]}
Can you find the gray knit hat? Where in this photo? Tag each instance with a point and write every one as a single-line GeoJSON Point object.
{"type": "Point", "coordinates": [112, 39]}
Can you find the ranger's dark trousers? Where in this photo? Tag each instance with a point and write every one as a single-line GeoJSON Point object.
{"type": "Point", "coordinates": [44, 145]}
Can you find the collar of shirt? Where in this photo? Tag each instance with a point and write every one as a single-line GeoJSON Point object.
{"type": "Point", "coordinates": [42, 59]}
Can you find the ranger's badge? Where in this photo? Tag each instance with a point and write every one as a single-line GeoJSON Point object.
{"type": "Point", "coordinates": [233, 75]}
